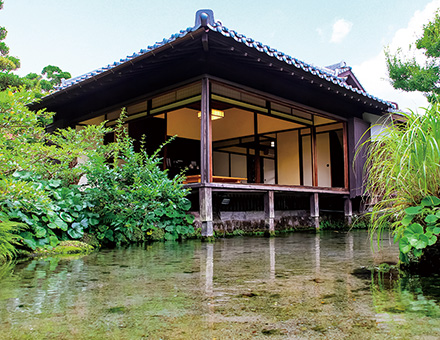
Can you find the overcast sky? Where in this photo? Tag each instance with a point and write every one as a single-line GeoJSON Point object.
{"type": "Point", "coordinates": [82, 35]}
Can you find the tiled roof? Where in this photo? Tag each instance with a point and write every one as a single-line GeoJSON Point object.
{"type": "Point", "coordinates": [329, 73]}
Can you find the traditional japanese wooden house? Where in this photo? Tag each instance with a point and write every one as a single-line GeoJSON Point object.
{"type": "Point", "coordinates": [265, 138]}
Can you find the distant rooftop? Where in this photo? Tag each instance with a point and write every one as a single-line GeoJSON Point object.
{"type": "Point", "coordinates": [336, 73]}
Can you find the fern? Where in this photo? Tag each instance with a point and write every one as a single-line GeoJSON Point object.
{"type": "Point", "coordinates": [9, 238]}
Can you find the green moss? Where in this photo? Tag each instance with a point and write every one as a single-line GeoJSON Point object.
{"type": "Point", "coordinates": [157, 235]}
{"type": "Point", "coordinates": [65, 248]}
{"type": "Point", "coordinates": [209, 239]}
{"type": "Point", "coordinates": [91, 240]}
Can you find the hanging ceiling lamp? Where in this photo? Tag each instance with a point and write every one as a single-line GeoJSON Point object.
{"type": "Point", "coordinates": [215, 114]}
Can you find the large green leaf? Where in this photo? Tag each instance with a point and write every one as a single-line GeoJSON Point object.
{"type": "Point", "coordinates": [413, 239]}
{"type": "Point", "coordinates": [189, 218]}
{"type": "Point", "coordinates": [432, 240]}
{"type": "Point", "coordinates": [413, 210]}
{"type": "Point", "coordinates": [109, 235]}
{"type": "Point", "coordinates": [406, 221]}
{"type": "Point", "coordinates": [430, 201]}
{"type": "Point", "coordinates": [93, 221]}
{"type": "Point", "coordinates": [66, 217]}
{"type": "Point", "coordinates": [40, 232]}
{"type": "Point", "coordinates": [58, 223]}
{"type": "Point", "coordinates": [185, 204]}
{"type": "Point", "coordinates": [414, 228]}
{"type": "Point", "coordinates": [422, 242]}
{"type": "Point", "coordinates": [54, 183]}
{"type": "Point", "coordinates": [75, 233]}
{"type": "Point", "coordinates": [29, 240]}
{"type": "Point", "coordinates": [171, 237]}
{"type": "Point", "coordinates": [431, 219]}
{"type": "Point", "coordinates": [53, 240]}
{"type": "Point", "coordinates": [417, 252]}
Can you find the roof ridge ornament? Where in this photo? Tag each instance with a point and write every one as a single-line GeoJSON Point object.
{"type": "Point", "coordinates": [204, 17]}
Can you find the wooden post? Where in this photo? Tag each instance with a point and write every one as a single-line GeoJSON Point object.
{"type": "Point", "coordinates": [269, 210]}
{"type": "Point", "coordinates": [165, 148]}
{"type": "Point", "coordinates": [257, 163]}
{"type": "Point", "coordinates": [314, 209]}
{"type": "Point", "coordinates": [314, 157]}
{"type": "Point", "coordinates": [205, 135]}
{"type": "Point", "coordinates": [205, 199]}
{"type": "Point", "coordinates": [348, 210]}
{"type": "Point", "coordinates": [345, 145]}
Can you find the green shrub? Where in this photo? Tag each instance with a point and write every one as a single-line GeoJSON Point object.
{"type": "Point", "coordinates": [62, 213]}
{"type": "Point", "coordinates": [419, 228]}
{"type": "Point", "coordinates": [133, 196]}
{"type": "Point", "coordinates": [404, 178]}
{"type": "Point", "coordinates": [403, 164]}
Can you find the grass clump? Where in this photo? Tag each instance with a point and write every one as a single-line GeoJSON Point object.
{"type": "Point", "coordinates": [403, 166]}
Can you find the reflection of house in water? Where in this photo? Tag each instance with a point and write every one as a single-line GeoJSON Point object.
{"type": "Point", "coordinates": [265, 137]}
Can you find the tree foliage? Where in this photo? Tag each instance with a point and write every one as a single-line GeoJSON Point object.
{"type": "Point", "coordinates": [40, 83]}
{"type": "Point", "coordinates": [409, 74]}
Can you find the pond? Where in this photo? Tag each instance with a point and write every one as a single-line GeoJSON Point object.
{"type": "Point", "coordinates": [297, 286]}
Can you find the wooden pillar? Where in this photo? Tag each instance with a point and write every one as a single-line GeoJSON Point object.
{"type": "Point", "coordinates": [205, 135]}
{"type": "Point", "coordinates": [345, 145]}
{"type": "Point", "coordinates": [314, 157]}
{"type": "Point", "coordinates": [205, 206]}
{"type": "Point", "coordinates": [269, 210]}
{"type": "Point", "coordinates": [257, 163]}
{"type": "Point", "coordinates": [205, 194]}
{"type": "Point", "coordinates": [348, 210]}
{"type": "Point", "coordinates": [314, 209]}
{"type": "Point", "coordinates": [165, 148]}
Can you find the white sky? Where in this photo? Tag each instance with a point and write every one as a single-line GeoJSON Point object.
{"type": "Point", "coordinates": [82, 35]}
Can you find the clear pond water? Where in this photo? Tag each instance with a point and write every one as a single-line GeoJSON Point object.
{"type": "Point", "coordinates": [298, 286]}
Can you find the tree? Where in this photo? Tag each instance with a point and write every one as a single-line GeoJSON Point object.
{"type": "Point", "coordinates": [410, 75]}
{"type": "Point", "coordinates": [40, 84]}
{"type": "Point", "coordinates": [54, 76]}
{"type": "Point", "coordinates": [7, 63]}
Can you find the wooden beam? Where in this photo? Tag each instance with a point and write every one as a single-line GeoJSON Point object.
{"type": "Point", "coordinates": [253, 187]}
{"type": "Point", "coordinates": [205, 208]}
{"type": "Point", "coordinates": [269, 210]}
{"type": "Point", "coordinates": [205, 134]}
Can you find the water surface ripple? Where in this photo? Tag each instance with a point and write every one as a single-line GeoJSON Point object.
{"type": "Point", "coordinates": [299, 286]}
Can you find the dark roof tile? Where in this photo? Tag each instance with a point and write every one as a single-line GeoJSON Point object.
{"type": "Point", "coordinates": [329, 73]}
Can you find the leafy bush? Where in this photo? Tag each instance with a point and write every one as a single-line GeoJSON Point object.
{"type": "Point", "coordinates": [127, 200]}
{"type": "Point", "coordinates": [133, 197]}
{"type": "Point", "coordinates": [418, 229]}
{"type": "Point", "coordinates": [61, 212]}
